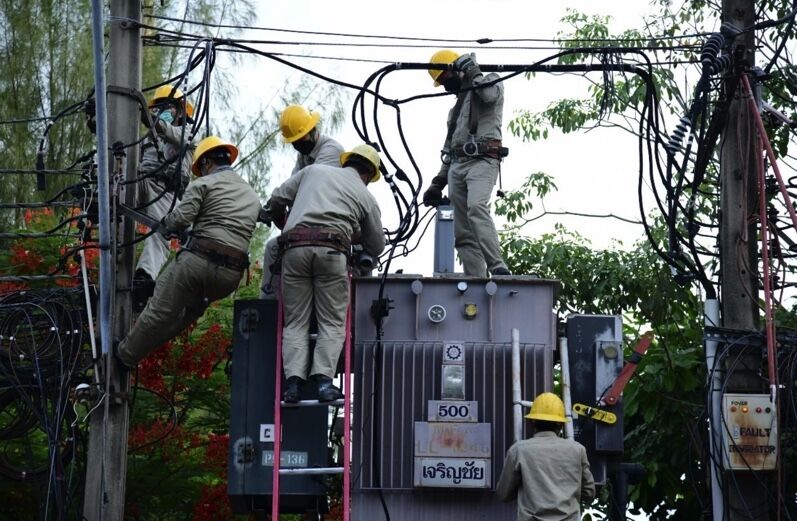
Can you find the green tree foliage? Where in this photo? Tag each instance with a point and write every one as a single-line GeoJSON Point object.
{"type": "Point", "coordinates": [665, 412]}
{"type": "Point", "coordinates": [180, 418]}
{"type": "Point", "coordinates": [45, 56]}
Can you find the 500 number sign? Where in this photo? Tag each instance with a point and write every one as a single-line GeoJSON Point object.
{"type": "Point", "coordinates": [453, 411]}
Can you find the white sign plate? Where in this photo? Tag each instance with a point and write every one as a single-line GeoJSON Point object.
{"type": "Point", "coordinates": [453, 411]}
{"type": "Point", "coordinates": [288, 459]}
{"type": "Point", "coordinates": [267, 432]}
{"type": "Point", "coordinates": [454, 353]}
{"type": "Point", "coordinates": [452, 472]}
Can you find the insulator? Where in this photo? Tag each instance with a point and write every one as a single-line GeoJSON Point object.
{"type": "Point", "coordinates": [722, 64]}
{"type": "Point", "coordinates": [678, 134]}
{"type": "Point", "coordinates": [711, 49]}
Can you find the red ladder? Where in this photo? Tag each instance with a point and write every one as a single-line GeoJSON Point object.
{"type": "Point", "coordinates": [279, 404]}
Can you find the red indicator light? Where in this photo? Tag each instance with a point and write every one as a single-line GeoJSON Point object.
{"type": "Point", "coordinates": [758, 409]}
{"type": "Point", "coordinates": [733, 408]}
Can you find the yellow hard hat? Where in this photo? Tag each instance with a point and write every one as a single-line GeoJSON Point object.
{"type": "Point", "coordinates": [189, 109]}
{"type": "Point", "coordinates": [296, 121]}
{"type": "Point", "coordinates": [547, 407]}
{"type": "Point", "coordinates": [208, 144]}
{"type": "Point", "coordinates": [368, 152]}
{"type": "Point", "coordinates": [443, 56]}
{"type": "Point", "coordinates": [166, 92]}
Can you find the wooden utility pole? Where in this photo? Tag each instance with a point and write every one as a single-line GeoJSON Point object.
{"type": "Point", "coordinates": [746, 493]}
{"type": "Point", "coordinates": [106, 463]}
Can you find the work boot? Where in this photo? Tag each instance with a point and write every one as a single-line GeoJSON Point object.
{"type": "Point", "coordinates": [291, 392]}
{"type": "Point", "coordinates": [143, 288]}
{"type": "Point", "coordinates": [326, 391]}
{"type": "Point", "coordinates": [501, 271]}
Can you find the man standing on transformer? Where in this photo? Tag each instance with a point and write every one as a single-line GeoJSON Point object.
{"type": "Point", "coordinates": [222, 210]}
{"type": "Point", "coordinates": [299, 128]}
{"type": "Point", "coordinates": [471, 159]}
{"type": "Point", "coordinates": [164, 172]}
{"type": "Point", "coordinates": [329, 205]}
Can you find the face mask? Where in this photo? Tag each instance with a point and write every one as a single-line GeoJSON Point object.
{"type": "Point", "coordinates": [452, 84]}
{"type": "Point", "coordinates": [304, 147]}
{"type": "Point", "coordinates": [166, 116]}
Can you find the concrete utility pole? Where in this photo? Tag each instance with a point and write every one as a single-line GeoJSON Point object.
{"type": "Point", "coordinates": [106, 464]}
{"type": "Point", "coordinates": [747, 494]}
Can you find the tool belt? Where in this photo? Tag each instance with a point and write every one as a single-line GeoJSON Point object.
{"type": "Point", "coordinates": [490, 148]}
{"type": "Point", "coordinates": [219, 253]}
{"type": "Point", "coordinates": [327, 237]}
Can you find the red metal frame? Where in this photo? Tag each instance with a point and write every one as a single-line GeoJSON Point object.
{"type": "Point", "coordinates": [612, 396]}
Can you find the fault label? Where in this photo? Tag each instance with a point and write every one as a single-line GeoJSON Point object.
{"type": "Point", "coordinates": [453, 411]}
{"type": "Point", "coordinates": [750, 433]}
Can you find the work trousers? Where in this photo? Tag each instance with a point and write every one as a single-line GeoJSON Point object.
{"type": "Point", "coordinates": [156, 246]}
{"type": "Point", "coordinates": [314, 278]}
{"type": "Point", "coordinates": [182, 294]}
{"type": "Point", "coordinates": [271, 281]}
{"type": "Point", "coordinates": [470, 184]}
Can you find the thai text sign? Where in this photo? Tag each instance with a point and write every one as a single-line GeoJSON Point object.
{"type": "Point", "coordinates": [452, 472]}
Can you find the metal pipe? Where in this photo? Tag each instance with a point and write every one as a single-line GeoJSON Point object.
{"type": "Point", "coordinates": [517, 410]}
{"type": "Point", "coordinates": [89, 313]}
{"type": "Point", "coordinates": [313, 472]}
{"type": "Point", "coordinates": [711, 317]}
{"type": "Point", "coordinates": [565, 361]}
{"type": "Point", "coordinates": [106, 270]}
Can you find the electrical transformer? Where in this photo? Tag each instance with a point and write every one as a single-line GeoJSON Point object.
{"type": "Point", "coordinates": [433, 414]}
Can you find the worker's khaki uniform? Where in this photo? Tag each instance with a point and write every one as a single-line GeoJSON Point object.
{"type": "Point", "coordinates": [549, 476]}
{"type": "Point", "coordinates": [314, 277]}
{"type": "Point", "coordinates": [471, 180]}
{"type": "Point", "coordinates": [222, 207]}
{"type": "Point", "coordinates": [156, 247]}
{"type": "Point", "coordinates": [326, 151]}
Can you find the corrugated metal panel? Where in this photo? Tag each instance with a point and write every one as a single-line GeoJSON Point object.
{"type": "Point", "coordinates": [394, 383]}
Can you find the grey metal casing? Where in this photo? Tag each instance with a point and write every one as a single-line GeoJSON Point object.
{"type": "Point", "coordinates": [395, 379]}
{"type": "Point", "coordinates": [444, 240]}
{"type": "Point", "coordinates": [252, 405]}
{"type": "Point", "coordinates": [591, 375]}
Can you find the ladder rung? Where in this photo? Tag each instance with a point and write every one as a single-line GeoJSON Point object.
{"type": "Point", "coordinates": [313, 471]}
{"type": "Point", "coordinates": [312, 403]}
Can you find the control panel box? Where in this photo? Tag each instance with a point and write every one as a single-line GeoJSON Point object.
{"type": "Point", "coordinates": [749, 432]}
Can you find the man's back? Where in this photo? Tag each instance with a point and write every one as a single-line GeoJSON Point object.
{"type": "Point", "coordinates": [220, 206]}
{"type": "Point", "coordinates": [331, 197]}
{"type": "Point", "coordinates": [550, 477]}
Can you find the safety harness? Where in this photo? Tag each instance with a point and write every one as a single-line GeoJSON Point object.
{"type": "Point", "coordinates": [218, 253]}
{"type": "Point", "coordinates": [316, 236]}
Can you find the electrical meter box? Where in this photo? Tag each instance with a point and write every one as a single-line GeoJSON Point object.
{"type": "Point", "coordinates": [251, 458]}
{"type": "Point", "coordinates": [749, 432]}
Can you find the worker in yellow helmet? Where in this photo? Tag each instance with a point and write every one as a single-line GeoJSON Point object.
{"type": "Point", "coordinates": [222, 210]}
{"type": "Point", "coordinates": [299, 127]}
{"type": "Point", "coordinates": [329, 205]}
{"type": "Point", "coordinates": [547, 474]}
{"type": "Point", "coordinates": [164, 172]}
{"type": "Point", "coordinates": [472, 155]}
